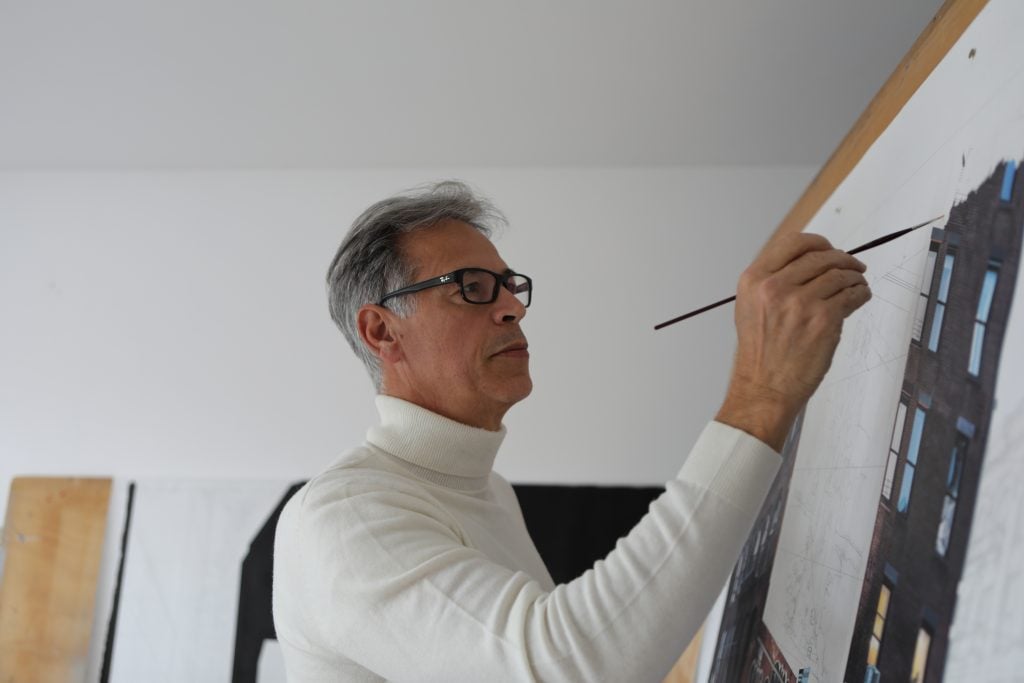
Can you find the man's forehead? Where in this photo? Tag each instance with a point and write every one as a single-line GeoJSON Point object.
{"type": "Point", "coordinates": [449, 245]}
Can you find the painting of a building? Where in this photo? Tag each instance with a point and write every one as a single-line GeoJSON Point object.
{"type": "Point", "coordinates": [935, 452]}
{"type": "Point", "coordinates": [938, 441]}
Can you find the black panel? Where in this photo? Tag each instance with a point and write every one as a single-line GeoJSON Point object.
{"type": "Point", "coordinates": [574, 526]}
{"type": "Point", "coordinates": [255, 616]}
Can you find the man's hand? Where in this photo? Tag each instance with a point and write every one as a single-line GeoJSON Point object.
{"type": "Point", "coordinates": [790, 307]}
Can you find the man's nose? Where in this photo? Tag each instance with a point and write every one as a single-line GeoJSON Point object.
{"type": "Point", "coordinates": [508, 308]}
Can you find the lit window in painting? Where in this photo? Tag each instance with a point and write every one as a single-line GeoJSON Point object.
{"type": "Point", "coordinates": [911, 464]}
{"type": "Point", "coordinates": [1008, 173]}
{"type": "Point", "coordinates": [940, 301]}
{"type": "Point", "coordinates": [894, 449]}
{"type": "Point", "coordinates": [988, 290]}
{"type": "Point", "coordinates": [878, 627]}
{"type": "Point", "coordinates": [918, 664]}
{"type": "Point", "coordinates": [926, 287]}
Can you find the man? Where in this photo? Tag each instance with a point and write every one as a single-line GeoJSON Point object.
{"type": "Point", "coordinates": [408, 559]}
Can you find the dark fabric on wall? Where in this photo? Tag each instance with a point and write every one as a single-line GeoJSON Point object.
{"type": "Point", "coordinates": [255, 616]}
{"type": "Point", "coordinates": [574, 526]}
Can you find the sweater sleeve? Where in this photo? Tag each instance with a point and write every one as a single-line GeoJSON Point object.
{"type": "Point", "coordinates": [391, 583]}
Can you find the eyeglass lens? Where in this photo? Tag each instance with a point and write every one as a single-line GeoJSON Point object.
{"type": "Point", "coordinates": [480, 286]}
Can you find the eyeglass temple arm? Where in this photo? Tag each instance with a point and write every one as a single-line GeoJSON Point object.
{"type": "Point", "coordinates": [426, 284]}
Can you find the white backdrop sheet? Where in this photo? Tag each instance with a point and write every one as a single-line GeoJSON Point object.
{"type": "Point", "coordinates": [180, 589]}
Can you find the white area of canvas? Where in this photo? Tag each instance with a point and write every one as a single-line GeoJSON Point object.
{"type": "Point", "coordinates": [175, 324]}
{"type": "Point", "coordinates": [942, 144]}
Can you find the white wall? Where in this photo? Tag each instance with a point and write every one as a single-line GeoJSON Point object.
{"type": "Point", "coordinates": [175, 323]}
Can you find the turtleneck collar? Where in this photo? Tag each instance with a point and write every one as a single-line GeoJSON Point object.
{"type": "Point", "coordinates": [426, 439]}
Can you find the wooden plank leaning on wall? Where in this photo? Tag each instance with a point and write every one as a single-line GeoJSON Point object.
{"type": "Point", "coordinates": [53, 542]}
{"type": "Point", "coordinates": [928, 50]}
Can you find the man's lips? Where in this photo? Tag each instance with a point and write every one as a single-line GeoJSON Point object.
{"type": "Point", "coordinates": [519, 349]}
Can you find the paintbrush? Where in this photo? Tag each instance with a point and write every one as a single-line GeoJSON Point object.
{"type": "Point", "coordinates": [864, 247]}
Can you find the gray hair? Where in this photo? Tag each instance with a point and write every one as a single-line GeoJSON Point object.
{"type": "Point", "coordinates": [370, 262]}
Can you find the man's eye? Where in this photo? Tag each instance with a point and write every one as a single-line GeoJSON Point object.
{"type": "Point", "coordinates": [471, 287]}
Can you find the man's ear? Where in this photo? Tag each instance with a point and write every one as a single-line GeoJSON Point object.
{"type": "Point", "coordinates": [376, 326]}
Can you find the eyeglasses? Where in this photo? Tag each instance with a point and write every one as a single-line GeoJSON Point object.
{"type": "Point", "coordinates": [478, 285]}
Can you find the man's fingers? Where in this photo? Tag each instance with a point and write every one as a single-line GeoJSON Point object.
{"type": "Point", "coordinates": [852, 298]}
{"type": "Point", "coordinates": [814, 264]}
{"type": "Point", "coordinates": [782, 250]}
{"type": "Point", "coordinates": [831, 282]}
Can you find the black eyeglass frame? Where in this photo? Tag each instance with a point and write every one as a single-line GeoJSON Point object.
{"type": "Point", "coordinates": [455, 277]}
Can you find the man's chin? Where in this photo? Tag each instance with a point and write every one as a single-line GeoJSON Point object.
{"type": "Point", "coordinates": [515, 390]}
{"type": "Point", "coordinates": [528, 391]}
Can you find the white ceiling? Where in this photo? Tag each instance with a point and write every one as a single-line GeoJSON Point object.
{"type": "Point", "coordinates": [308, 83]}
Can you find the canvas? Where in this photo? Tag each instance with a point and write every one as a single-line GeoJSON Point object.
{"type": "Point", "coordinates": [895, 497]}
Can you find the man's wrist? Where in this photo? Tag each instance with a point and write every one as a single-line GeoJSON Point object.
{"type": "Point", "coordinates": [764, 416]}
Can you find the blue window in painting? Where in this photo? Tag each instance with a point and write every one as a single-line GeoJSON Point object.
{"type": "Point", "coordinates": [910, 465]}
{"type": "Point", "coordinates": [988, 290]}
{"type": "Point", "coordinates": [1008, 173]}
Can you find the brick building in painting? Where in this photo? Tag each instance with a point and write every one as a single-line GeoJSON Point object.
{"type": "Point", "coordinates": [938, 440]}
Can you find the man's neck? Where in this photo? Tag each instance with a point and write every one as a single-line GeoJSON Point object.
{"type": "Point", "coordinates": [481, 419]}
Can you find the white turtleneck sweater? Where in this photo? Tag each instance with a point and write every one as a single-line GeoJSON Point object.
{"type": "Point", "coordinates": [408, 560]}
